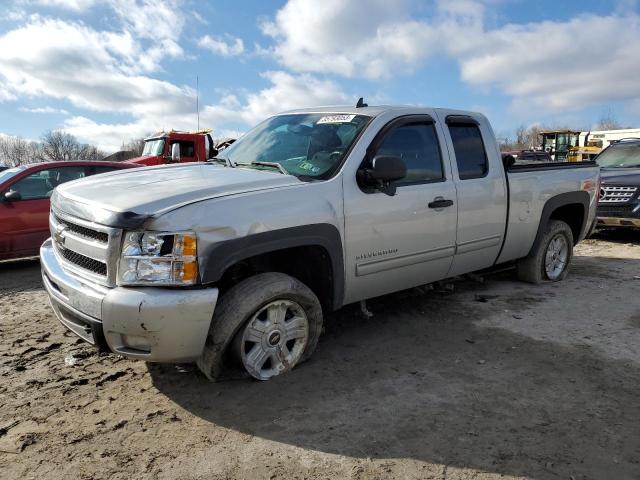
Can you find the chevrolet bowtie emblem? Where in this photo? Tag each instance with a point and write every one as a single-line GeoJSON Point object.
{"type": "Point", "coordinates": [59, 235]}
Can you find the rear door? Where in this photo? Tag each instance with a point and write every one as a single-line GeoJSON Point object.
{"type": "Point", "coordinates": [28, 218]}
{"type": "Point", "coordinates": [400, 241]}
{"type": "Point", "coordinates": [482, 196]}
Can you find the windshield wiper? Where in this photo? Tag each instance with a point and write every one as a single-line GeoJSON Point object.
{"type": "Point", "coordinates": [273, 165]}
{"type": "Point", "coordinates": [226, 161]}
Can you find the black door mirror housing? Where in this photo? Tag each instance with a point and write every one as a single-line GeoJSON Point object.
{"type": "Point", "coordinates": [384, 170]}
{"type": "Point", "coordinates": [11, 196]}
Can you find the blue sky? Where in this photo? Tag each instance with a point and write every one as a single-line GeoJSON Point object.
{"type": "Point", "coordinates": [111, 70]}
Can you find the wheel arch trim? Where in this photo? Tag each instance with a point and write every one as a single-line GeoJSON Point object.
{"type": "Point", "coordinates": [562, 200]}
{"type": "Point", "coordinates": [223, 255]}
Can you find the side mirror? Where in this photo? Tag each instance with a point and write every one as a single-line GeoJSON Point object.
{"type": "Point", "coordinates": [508, 161]}
{"type": "Point", "coordinates": [175, 152]}
{"type": "Point", "coordinates": [384, 170]}
{"type": "Point", "coordinates": [11, 196]}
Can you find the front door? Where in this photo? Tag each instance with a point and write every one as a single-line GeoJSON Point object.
{"type": "Point", "coordinates": [405, 240]}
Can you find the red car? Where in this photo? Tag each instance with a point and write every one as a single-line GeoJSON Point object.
{"type": "Point", "coordinates": [24, 201]}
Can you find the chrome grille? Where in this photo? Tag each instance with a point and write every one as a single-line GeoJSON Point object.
{"type": "Point", "coordinates": [84, 231]}
{"type": "Point", "coordinates": [615, 194]}
{"type": "Point", "coordinates": [87, 263]}
{"type": "Point", "coordinates": [86, 248]}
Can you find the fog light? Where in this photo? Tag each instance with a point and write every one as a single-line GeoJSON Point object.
{"type": "Point", "coordinates": [136, 342]}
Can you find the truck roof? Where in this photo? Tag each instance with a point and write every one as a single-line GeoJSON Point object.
{"type": "Point", "coordinates": [163, 134]}
{"type": "Point", "coordinates": [372, 111]}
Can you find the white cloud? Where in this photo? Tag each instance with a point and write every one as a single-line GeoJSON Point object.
{"type": "Point", "coordinates": [106, 136]}
{"type": "Point", "coordinates": [97, 73]}
{"type": "Point", "coordinates": [77, 5]}
{"type": "Point", "coordinates": [361, 39]}
{"type": "Point", "coordinates": [229, 47]}
{"type": "Point", "coordinates": [559, 65]}
{"type": "Point", "coordinates": [44, 110]}
{"type": "Point", "coordinates": [158, 22]}
{"type": "Point", "coordinates": [286, 91]}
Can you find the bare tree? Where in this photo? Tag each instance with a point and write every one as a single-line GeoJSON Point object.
{"type": "Point", "coordinates": [58, 145]}
{"type": "Point", "coordinates": [54, 146]}
{"type": "Point", "coordinates": [526, 138]}
{"type": "Point", "coordinates": [135, 145]}
{"type": "Point", "coordinates": [17, 151]}
{"type": "Point", "coordinates": [608, 121]}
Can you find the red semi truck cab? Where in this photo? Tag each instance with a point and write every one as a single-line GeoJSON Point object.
{"type": "Point", "coordinates": [194, 147]}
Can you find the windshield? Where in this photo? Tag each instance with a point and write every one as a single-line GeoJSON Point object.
{"type": "Point", "coordinates": [153, 147]}
{"type": "Point", "coordinates": [619, 155]}
{"type": "Point", "coordinates": [7, 174]}
{"type": "Point", "coordinates": [305, 145]}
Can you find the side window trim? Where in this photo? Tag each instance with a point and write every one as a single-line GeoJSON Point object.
{"type": "Point", "coordinates": [399, 122]}
{"type": "Point", "coordinates": [468, 121]}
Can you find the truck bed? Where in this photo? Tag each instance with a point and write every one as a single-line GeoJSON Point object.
{"type": "Point", "coordinates": [530, 187]}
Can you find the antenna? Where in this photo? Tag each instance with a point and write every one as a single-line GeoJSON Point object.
{"type": "Point", "coordinates": [197, 104]}
{"type": "Point", "coordinates": [361, 103]}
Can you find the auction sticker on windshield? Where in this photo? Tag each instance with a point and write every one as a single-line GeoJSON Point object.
{"type": "Point", "coordinates": [336, 119]}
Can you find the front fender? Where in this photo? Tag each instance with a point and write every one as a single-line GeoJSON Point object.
{"type": "Point", "coordinates": [220, 256]}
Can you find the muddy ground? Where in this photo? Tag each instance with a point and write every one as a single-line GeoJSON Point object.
{"type": "Point", "coordinates": [494, 380]}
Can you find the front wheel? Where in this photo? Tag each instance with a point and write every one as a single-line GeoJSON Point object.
{"type": "Point", "coordinates": [550, 257]}
{"type": "Point", "coordinates": [267, 323]}
{"type": "Point", "coordinates": [273, 340]}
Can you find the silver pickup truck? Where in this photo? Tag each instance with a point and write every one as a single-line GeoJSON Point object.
{"type": "Point", "coordinates": [235, 261]}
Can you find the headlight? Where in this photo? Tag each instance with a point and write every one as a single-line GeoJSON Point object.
{"type": "Point", "coordinates": [150, 258]}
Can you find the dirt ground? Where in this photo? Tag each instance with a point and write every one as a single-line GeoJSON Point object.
{"type": "Point", "coordinates": [494, 380]}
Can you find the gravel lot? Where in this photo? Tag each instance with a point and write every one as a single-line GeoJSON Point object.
{"type": "Point", "coordinates": [494, 380]}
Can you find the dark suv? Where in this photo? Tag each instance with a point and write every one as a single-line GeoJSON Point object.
{"type": "Point", "coordinates": [619, 199]}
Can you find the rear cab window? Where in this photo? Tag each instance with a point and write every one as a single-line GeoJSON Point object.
{"type": "Point", "coordinates": [187, 148]}
{"type": "Point", "coordinates": [469, 149]}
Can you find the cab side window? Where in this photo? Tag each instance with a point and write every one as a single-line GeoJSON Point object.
{"type": "Point", "coordinates": [417, 144]}
{"type": "Point", "coordinates": [468, 146]}
{"type": "Point", "coordinates": [41, 184]}
{"type": "Point", "coordinates": [187, 149]}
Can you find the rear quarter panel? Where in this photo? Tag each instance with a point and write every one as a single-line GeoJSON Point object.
{"type": "Point", "coordinates": [529, 191]}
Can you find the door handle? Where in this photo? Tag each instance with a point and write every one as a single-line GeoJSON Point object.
{"type": "Point", "coordinates": [440, 202]}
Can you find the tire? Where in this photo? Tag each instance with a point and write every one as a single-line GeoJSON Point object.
{"type": "Point", "coordinates": [242, 305]}
{"type": "Point", "coordinates": [533, 269]}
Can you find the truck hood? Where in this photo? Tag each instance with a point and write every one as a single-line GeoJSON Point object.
{"type": "Point", "coordinates": [620, 176]}
{"type": "Point", "coordinates": [128, 197]}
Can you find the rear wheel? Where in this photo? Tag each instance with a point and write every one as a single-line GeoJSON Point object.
{"type": "Point", "coordinates": [267, 324]}
{"type": "Point", "coordinates": [550, 258]}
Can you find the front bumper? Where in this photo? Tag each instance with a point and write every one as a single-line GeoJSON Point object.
{"type": "Point", "coordinates": [625, 215]}
{"type": "Point", "coordinates": [148, 323]}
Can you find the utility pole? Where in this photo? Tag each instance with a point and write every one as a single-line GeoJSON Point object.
{"type": "Point", "coordinates": [197, 104]}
